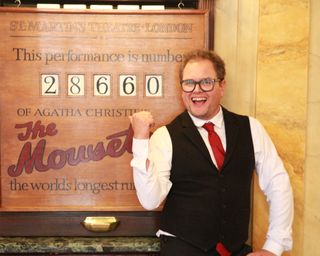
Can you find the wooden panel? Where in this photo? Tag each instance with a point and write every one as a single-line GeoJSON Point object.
{"type": "Point", "coordinates": [70, 224]}
{"type": "Point", "coordinates": [69, 81]}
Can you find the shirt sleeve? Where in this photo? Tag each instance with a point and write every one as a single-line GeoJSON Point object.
{"type": "Point", "coordinates": [275, 184]}
{"type": "Point", "coordinates": [151, 165]}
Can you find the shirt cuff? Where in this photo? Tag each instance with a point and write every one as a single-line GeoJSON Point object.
{"type": "Point", "coordinates": [273, 247]}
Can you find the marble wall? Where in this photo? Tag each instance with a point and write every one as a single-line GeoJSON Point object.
{"type": "Point", "coordinates": [235, 39]}
{"type": "Point", "coordinates": [282, 87]}
{"type": "Point", "coordinates": [312, 177]}
{"type": "Point", "coordinates": [272, 76]}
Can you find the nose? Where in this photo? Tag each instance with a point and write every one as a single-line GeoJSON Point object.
{"type": "Point", "coordinates": [197, 87]}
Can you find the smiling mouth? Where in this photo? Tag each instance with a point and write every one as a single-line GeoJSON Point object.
{"type": "Point", "coordinates": [198, 100]}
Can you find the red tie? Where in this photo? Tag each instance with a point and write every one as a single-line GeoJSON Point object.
{"type": "Point", "coordinates": [215, 144]}
{"type": "Point", "coordinates": [218, 153]}
{"type": "Point", "coordinates": [222, 250]}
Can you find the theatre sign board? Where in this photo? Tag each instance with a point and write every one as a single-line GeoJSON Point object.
{"type": "Point", "coordinates": [69, 82]}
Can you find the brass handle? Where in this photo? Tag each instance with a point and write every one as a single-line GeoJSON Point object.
{"type": "Point", "coordinates": [100, 224]}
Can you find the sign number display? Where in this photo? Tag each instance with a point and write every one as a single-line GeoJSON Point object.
{"type": "Point", "coordinates": [102, 85]}
{"type": "Point", "coordinates": [153, 86]}
{"type": "Point", "coordinates": [128, 85]}
{"type": "Point", "coordinates": [49, 85]}
{"type": "Point", "coordinates": [75, 85]}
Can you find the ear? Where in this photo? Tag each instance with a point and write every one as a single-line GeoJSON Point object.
{"type": "Point", "coordinates": [222, 86]}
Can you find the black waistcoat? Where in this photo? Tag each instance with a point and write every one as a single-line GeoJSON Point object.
{"type": "Point", "coordinates": [203, 206]}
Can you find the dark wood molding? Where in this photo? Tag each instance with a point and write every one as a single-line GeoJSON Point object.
{"type": "Point", "coordinates": [70, 223]}
{"type": "Point", "coordinates": [168, 3]}
{"type": "Point", "coordinates": [209, 5]}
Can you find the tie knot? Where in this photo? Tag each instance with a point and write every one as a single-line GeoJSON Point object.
{"type": "Point", "coordinates": [209, 127]}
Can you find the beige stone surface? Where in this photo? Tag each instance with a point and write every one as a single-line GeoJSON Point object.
{"type": "Point", "coordinates": [236, 33]}
{"type": "Point", "coordinates": [312, 177]}
{"type": "Point", "coordinates": [269, 41]}
{"type": "Point", "coordinates": [281, 101]}
{"type": "Point", "coordinates": [314, 23]}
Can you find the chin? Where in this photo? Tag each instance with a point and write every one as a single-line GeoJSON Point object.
{"type": "Point", "coordinates": [198, 114]}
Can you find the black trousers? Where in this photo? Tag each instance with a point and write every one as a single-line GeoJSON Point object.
{"type": "Point", "coordinates": [172, 246]}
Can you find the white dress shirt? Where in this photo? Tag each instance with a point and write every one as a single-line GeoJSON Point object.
{"type": "Point", "coordinates": [153, 183]}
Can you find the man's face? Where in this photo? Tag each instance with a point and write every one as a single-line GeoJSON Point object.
{"type": "Point", "coordinates": [203, 105]}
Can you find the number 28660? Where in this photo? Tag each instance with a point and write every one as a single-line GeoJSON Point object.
{"type": "Point", "coordinates": [101, 85]}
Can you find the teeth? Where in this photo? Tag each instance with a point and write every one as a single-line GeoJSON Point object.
{"type": "Point", "coordinates": [199, 99]}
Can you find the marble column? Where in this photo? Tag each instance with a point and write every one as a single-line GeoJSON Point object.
{"type": "Point", "coordinates": [312, 177]}
{"type": "Point", "coordinates": [281, 102]}
{"type": "Point", "coordinates": [265, 45]}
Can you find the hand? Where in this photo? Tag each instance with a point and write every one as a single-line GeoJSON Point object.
{"type": "Point", "coordinates": [261, 253]}
{"type": "Point", "coordinates": [142, 123]}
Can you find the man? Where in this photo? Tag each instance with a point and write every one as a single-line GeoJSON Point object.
{"type": "Point", "coordinates": [204, 174]}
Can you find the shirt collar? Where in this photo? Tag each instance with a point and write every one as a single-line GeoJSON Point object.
{"type": "Point", "coordinates": [217, 120]}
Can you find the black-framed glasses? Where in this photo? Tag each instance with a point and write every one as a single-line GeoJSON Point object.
{"type": "Point", "coordinates": [206, 84]}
